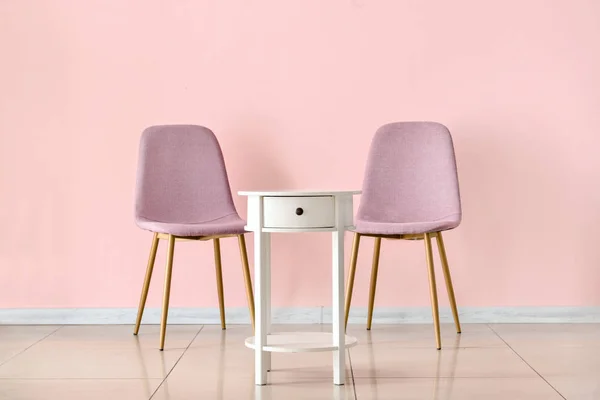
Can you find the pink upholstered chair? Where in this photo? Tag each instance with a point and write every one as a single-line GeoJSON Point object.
{"type": "Point", "coordinates": [183, 193]}
{"type": "Point", "coordinates": [410, 191]}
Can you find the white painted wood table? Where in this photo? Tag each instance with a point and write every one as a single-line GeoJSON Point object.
{"type": "Point", "coordinates": [298, 211]}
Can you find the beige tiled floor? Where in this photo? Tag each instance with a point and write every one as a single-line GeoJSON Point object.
{"type": "Point", "coordinates": [508, 362]}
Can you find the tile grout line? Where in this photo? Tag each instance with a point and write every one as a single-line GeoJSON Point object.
{"type": "Point", "coordinates": [31, 345]}
{"type": "Point", "coordinates": [529, 365]}
{"type": "Point", "coordinates": [352, 374]}
{"type": "Point", "coordinates": [77, 379]}
{"type": "Point", "coordinates": [176, 362]}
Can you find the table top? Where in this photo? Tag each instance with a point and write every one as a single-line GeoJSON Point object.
{"type": "Point", "coordinates": [299, 193]}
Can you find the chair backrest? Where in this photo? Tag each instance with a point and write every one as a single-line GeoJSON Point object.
{"type": "Point", "coordinates": [181, 176]}
{"type": "Point", "coordinates": [410, 175]}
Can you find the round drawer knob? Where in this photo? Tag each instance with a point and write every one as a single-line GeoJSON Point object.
{"type": "Point", "coordinates": [299, 211]}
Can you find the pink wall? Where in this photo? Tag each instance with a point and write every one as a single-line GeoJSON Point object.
{"type": "Point", "coordinates": [295, 91]}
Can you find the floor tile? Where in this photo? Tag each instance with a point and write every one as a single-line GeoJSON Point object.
{"type": "Point", "coordinates": [563, 361]}
{"type": "Point", "coordinates": [245, 389]}
{"type": "Point", "coordinates": [577, 387]}
{"type": "Point", "coordinates": [556, 335]}
{"type": "Point", "coordinates": [422, 335]}
{"type": "Point", "coordinates": [556, 350]}
{"type": "Point", "coordinates": [121, 336]}
{"type": "Point", "coordinates": [101, 352]}
{"type": "Point", "coordinates": [454, 389]}
{"type": "Point", "coordinates": [15, 339]}
{"type": "Point", "coordinates": [77, 389]}
{"type": "Point", "coordinates": [382, 361]}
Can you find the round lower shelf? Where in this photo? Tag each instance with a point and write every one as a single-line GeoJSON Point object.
{"type": "Point", "coordinates": [300, 342]}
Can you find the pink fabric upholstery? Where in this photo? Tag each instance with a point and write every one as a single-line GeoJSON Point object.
{"type": "Point", "coordinates": [411, 183]}
{"type": "Point", "coordinates": [182, 186]}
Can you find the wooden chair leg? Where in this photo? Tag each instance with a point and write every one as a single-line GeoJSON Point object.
{"type": "Point", "coordinates": [433, 290]}
{"type": "Point", "coordinates": [167, 293]}
{"type": "Point", "coordinates": [448, 278]}
{"type": "Point", "coordinates": [351, 272]}
{"type": "Point", "coordinates": [219, 271]}
{"type": "Point", "coordinates": [247, 279]}
{"type": "Point", "coordinates": [146, 286]}
{"type": "Point", "coordinates": [374, 270]}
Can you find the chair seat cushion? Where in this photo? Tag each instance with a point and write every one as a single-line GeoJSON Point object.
{"type": "Point", "coordinates": [228, 225]}
{"type": "Point", "coordinates": [406, 228]}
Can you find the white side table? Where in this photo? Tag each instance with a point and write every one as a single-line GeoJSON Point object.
{"type": "Point", "coordinates": [297, 211]}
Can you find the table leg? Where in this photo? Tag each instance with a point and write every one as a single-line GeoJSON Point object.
{"type": "Point", "coordinates": [339, 339]}
{"type": "Point", "coordinates": [267, 261]}
{"type": "Point", "coordinates": [260, 308]}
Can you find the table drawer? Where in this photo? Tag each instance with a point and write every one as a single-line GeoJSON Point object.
{"type": "Point", "coordinates": [299, 212]}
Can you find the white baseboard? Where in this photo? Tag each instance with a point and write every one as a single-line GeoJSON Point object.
{"type": "Point", "coordinates": [307, 315]}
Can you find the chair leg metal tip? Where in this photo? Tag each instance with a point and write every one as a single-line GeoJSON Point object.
{"type": "Point", "coordinates": [439, 348]}
{"type": "Point", "coordinates": [161, 349]}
